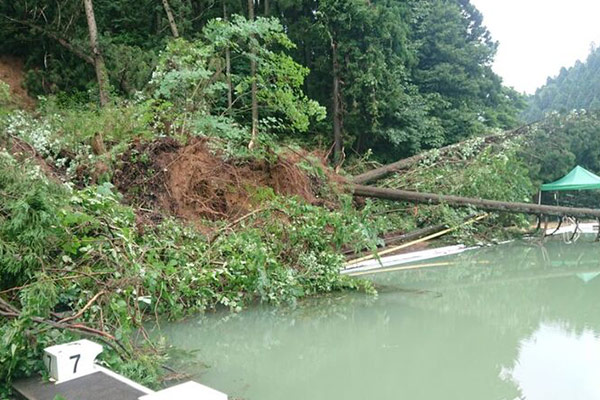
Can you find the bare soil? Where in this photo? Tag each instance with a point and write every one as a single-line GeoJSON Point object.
{"type": "Point", "coordinates": [194, 183]}
{"type": "Point", "coordinates": [12, 72]}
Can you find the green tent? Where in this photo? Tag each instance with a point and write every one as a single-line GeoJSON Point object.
{"type": "Point", "coordinates": [578, 179]}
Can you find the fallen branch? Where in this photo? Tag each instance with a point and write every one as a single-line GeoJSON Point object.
{"type": "Point", "coordinates": [62, 41]}
{"type": "Point", "coordinates": [9, 311]}
{"type": "Point", "coordinates": [80, 328]}
{"type": "Point", "coordinates": [80, 313]}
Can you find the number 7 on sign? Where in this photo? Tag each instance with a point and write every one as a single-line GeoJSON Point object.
{"type": "Point", "coordinates": [75, 357]}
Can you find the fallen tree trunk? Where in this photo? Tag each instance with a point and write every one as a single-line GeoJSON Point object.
{"type": "Point", "coordinates": [482, 204]}
{"type": "Point", "coordinates": [406, 163]}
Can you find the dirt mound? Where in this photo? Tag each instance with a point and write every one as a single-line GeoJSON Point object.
{"type": "Point", "coordinates": [193, 182]}
{"type": "Point", "coordinates": [12, 73]}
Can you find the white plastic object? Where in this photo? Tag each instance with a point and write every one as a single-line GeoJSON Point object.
{"type": "Point", "coordinates": [71, 360]}
{"type": "Point", "coordinates": [186, 391]}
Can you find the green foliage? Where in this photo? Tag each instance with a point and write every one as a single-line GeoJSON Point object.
{"type": "Point", "coordinates": [29, 216]}
{"type": "Point", "coordinates": [415, 74]}
{"type": "Point", "coordinates": [562, 141]}
{"type": "Point", "coordinates": [4, 94]}
{"type": "Point", "coordinates": [185, 77]}
{"type": "Point", "coordinates": [131, 66]}
{"type": "Point", "coordinates": [62, 136]}
{"type": "Point", "coordinates": [574, 88]}
{"type": "Point", "coordinates": [232, 138]}
{"type": "Point", "coordinates": [190, 75]}
{"type": "Point", "coordinates": [497, 173]}
{"type": "Point", "coordinates": [455, 53]}
{"type": "Point", "coordinates": [381, 107]}
{"type": "Point", "coordinates": [118, 123]}
{"type": "Point", "coordinates": [89, 241]}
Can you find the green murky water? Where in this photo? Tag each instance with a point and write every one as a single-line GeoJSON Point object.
{"type": "Point", "coordinates": [516, 321]}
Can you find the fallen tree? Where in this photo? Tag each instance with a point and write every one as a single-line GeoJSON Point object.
{"type": "Point", "coordinates": [406, 163]}
{"type": "Point", "coordinates": [482, 204]}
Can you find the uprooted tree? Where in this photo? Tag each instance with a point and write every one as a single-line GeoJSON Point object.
{"type": "Point", "coordinates": [478, 144]}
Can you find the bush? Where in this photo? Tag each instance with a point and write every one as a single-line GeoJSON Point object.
{"type": "Point", "coordinates": [5, 99]}
{"type": "Point", "coordinates": [29, 220]}
{"type": "Point", "coordinates": [64, 246]}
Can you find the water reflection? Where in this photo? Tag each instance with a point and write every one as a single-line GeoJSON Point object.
{"type": "Point", "coordinates": [556, 363]}
{"type": "Point", "coordinates": [431, 333]}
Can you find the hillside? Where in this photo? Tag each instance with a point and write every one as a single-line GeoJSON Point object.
{"type": "Point", "coordinates": [574, 88]}
{"type": "Point", "coordinates": [12, 72]}
{"type": "Point", "coordinates": [175, 167]}
{"type": "Point", "coordinates": [409, 75]}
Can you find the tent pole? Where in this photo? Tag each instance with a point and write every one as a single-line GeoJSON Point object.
{"type": "Point", "coordinates": [539, 217]}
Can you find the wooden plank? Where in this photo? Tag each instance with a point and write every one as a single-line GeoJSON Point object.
{"type": "Point", "coordinates": [482, 204]}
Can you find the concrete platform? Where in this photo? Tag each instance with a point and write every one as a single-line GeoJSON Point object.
{"type": "Point", "coordinates": [74, 375]}
{"type": "Point", "coordinates": [101, 385]}
{"type": "Point", "coordinates": [585, 227]}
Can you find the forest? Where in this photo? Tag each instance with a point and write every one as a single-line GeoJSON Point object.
{"type": "Point", "coordinates": [395, 76]}
{"type": "Point", "coordinates": [573, 89]}
{"type": "Point", "coordinates": [165, 158]}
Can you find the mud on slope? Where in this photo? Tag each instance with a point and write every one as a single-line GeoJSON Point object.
{"type": "Point", "coordinates": [12, 72]}
{"type": "Point", "coordinates": [193, 182]}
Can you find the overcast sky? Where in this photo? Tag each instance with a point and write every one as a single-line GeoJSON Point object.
{"type": "Point", "coordinates": [538, 37]}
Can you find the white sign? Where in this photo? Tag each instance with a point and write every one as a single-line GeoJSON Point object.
{"type": "Point", "coordinates": [71, 360]}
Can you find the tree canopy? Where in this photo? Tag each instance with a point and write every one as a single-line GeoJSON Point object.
{"type": "Point", "coordinates": [574, 88]}
{"type": "Point", "coordinates": [403, 75]}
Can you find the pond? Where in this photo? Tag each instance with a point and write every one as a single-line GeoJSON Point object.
{"type": "Point", "coordinates": [514, 321]}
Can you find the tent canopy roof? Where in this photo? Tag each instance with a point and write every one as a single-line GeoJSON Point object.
{"type": "Point", "coordinates": [578, 179]}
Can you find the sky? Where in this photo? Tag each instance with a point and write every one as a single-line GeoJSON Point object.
{"type": "Point", "coordinates": [538, 37]}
